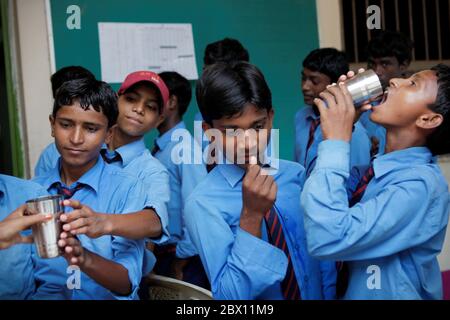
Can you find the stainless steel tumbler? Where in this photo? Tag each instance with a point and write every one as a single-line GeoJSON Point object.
{"type": "Point", "coordinates": [46, 234]}
{"type": "Point", "coordinates": [365, 87]}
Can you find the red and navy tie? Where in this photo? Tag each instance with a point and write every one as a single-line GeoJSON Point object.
{"type": "Point", "coordinates": [342, 266]}
{"type": "Point", "coordinates": [68, 193]}
{"type": "Point", "coordinates": [312, 129]}
{"type": "Point", "coordinates": [289, 285]}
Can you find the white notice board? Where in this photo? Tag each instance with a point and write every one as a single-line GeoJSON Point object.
{"type": "Point", "coordinates": [129, 47]}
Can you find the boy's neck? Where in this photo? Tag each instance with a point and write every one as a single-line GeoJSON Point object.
{"type": "Point", "coordinates": [70, 174]}
{"type": "Point", "coordinates": [399, 139]}
{"type": "Point", "coordinates": [120, 138]}
{"type": "Point", "coordinates": [168, 124]}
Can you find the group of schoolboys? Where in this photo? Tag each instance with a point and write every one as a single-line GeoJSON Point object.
{"type": "Point", "coordinates": [365, 194]}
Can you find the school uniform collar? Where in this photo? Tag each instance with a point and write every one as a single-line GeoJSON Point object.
{"type": "Point", "coordinates": [131, 151]}
{"type": "Point", "coordinates": [163, 140]}
{"type": "Point", "coordinates": [402, 158]}
{"type": "Point", "coordinates": [310, 114]}
{"type": "Point", "coordinates": [91, 178]}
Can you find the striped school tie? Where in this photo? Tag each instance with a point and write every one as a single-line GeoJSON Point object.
{"type": "Point", "coordinates": [342, 266]}
{"type": "Point", "coordinates": [68, 193]}
{"type": "Point", "coordinates": [289, 285]}
{"type": "Point", "coordinates": [312, 129]}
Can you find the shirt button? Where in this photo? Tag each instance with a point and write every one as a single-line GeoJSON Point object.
{"type": "Point", "coordinates": [306, 278]}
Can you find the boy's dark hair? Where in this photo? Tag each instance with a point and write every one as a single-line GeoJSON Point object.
{"type": "Point", "coordinates": [226, 50]}
{"type": "Point", "coordinates": [225, 89]}
{"type": "Point", "coordinates": [328, 61]}
{"type": "Point", "coordinates": [439, 141]}
{"type": "Point", "coordinates": [391, 44]}
{"type": "Point", "coordinates": [88, 92]}
{"type": "Point", "coordinates": [180, 87]}
{"type": "Point", "coordinates": [67, 74]}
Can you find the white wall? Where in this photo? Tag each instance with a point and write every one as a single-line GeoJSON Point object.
{"type": "Point", "coordinates": [329, 23]}
{"type": "Point", "coordinates": [34, 60]}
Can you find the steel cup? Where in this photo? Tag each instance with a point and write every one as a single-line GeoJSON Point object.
{"type": "Point", "coordinates": [46, 234]}
{"type": "Point", "coordinates": [364, 88]}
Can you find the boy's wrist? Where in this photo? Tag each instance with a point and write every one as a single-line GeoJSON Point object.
{"type": "Point", "coordinates": [108, 224]}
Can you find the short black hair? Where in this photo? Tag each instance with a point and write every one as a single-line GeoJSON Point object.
{"type": "Point", "coordinates": [224, 90]}
{"type": "Point", "coordinates": [328, 61]}
{"type": "Point", "coordinates": [227, 50]}
{"type": "Point", "coordinates": [439, 141]}
{"type": "Point", "coordinates": [67, 74]}
{"type": "Point", "coordinates": [387, 43]}
{"type": "Point", "coordinates": [88, 92]}
{"type": "Point", "coordinates": [180, 87]}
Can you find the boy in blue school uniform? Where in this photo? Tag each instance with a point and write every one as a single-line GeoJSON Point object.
{"type": "Point", "coordinates": [385, 222]}
{"type": "Point", "coordinates": [16, 268]}
{"type": "Point", "coordinates": [111, 266]}
{"type": "Point", "coordinates": [141, 99]}
{"type": "Point", "coordinates": [321, 68]}
{"type": "Point", "coordinates": [389, 54]}
{"type": "Point", "coordinates": [247, 225]}
{"type": "Point", "coordinates": [177, 257]}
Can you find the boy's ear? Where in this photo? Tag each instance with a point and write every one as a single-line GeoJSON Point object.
{"type": "Point", "coordinates": [430, 120]}
{"type": "Point", "coordinates": [172, 103]}
{"type": "Point", "coordinates": [206, 127]}
{"type": "Point", "coordinates": [109, 135]}
{"type": "Point", "coordinates": [52, 124]}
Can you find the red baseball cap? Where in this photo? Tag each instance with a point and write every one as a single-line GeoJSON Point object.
{"type": "Point", "coordinates": [147, 76]}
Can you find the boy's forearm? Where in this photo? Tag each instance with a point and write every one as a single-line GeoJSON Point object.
{"type": "Point", "coordinates": [136, 225]}
{"type": "Point", "coordinates": [107, 273]}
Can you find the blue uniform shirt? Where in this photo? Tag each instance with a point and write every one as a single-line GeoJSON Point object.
{"type": "Point", "coordinates": [16, 267]}
{"type": "Point", "coordinates": [183, 178]}
{"type": "Point", "coordinates": [108, 190]}
{"type": "Point", "coordinates": [239, 265]}
{"type": "Point", "coordinates": [391, 238]}
{"type": "Point", "coordinates": [47, 160]}
{"type": "Point", "coordinates": [136, 161]}
{"type": "Point", "coordinates": [360, 144]}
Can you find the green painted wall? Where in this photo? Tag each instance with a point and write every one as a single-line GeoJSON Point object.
{"type": "Point", "coordinates": [277, 33]}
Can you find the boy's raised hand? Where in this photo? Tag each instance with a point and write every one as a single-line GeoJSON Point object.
{"type": "Point", "coordinates": [259, 192]}
{"type": "Point", "coordinates": [337, 112]}
{"type": "Point", "coordinates": [83, 220]}
{"type": "Point", "coordinates": [73, 252]}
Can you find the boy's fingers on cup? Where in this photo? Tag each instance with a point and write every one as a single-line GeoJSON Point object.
{"type": "Point", "coordinates": [342, 78]}
{"type": "Point", "coordinates": [63, 235]}
{"type": "Point", "coordinates": [82, 230]}
{"type": "Point", "coordinates": [68, 249]}
{"type": "Point", "coordinates": [75, 204]}
{"type": "Point", "coordinates": [350, 74]}
{"type": "Point", "coordinates": [361, 70]}
{"type": "Point", "coordinates": [27, 221]}
{"type": "Point", "coordinates": [74, 260]}
{"type": "Point", "coordinates": [61, 243]}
